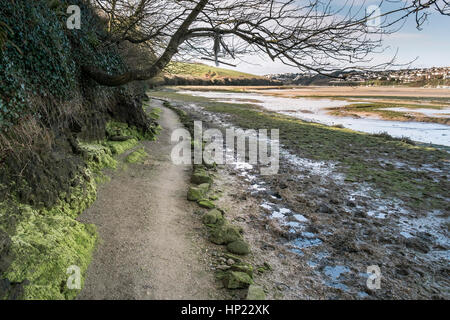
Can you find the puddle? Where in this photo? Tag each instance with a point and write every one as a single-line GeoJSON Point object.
{"type": "Point", "coordinates": [267, 205]}
{"type": "Point", "coordinates": [439, 113]}
{"type": "Point", "coordinates": [300, 218]}
{"type": "Point", "coordinates": [362, 295]}
{"type": "Point", "coordinates": [306, 240]}
{"type": "Point", "coordinates": [370, 202]}
{"type": "Point", "coordinates": [433, 224]}
{"type": "Point", "coordinates": [310, 167]}
{"type": "Point", "coordinates": [334, 275]}
{"type": "Point", "coordinates": [379, 213]}
{"type": "Point", "coordinates": [335, 272]}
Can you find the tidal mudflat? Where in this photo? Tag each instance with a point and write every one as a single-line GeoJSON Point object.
{"type": "Point", "coordinates": [318, 110]}
{"type": "Point", "coordinates": [342, 201]}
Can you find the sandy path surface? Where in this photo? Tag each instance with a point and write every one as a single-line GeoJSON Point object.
{"type": "Point", "coordinates": [148, 247]}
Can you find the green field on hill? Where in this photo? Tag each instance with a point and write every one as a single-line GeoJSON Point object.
{"type": "Point", "coordinates": [204, 71]}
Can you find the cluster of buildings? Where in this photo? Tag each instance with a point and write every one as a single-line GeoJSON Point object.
{"type": "Point", "coordinates": [398, 76]}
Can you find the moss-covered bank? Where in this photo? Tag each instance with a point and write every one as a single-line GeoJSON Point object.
{"type": "Point", "coordinates": [38, 244]}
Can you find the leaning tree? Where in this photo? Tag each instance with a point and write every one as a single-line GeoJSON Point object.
{"type": "Point", "coordinates": [319, 36]}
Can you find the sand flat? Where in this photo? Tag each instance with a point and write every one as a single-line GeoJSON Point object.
{"type": "Point", "coordinates": [340, 91]}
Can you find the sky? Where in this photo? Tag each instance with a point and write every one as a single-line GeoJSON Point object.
{"type": "Point", "coordinates": [431, 47]}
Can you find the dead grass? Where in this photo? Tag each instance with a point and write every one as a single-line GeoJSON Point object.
{"type": "Point", "coordinates": [29, 135]}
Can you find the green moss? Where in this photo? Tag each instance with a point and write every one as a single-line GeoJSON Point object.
{"type": "Point", "coordinates": [130, 134]}
{"type": "Point", "coordinates": [78, 200]}
{"type": "Point", "coordinates": [238, 247]}
{"type": "Point", "coordinates": [237, 280]}
{"type": "Point", "coordinates": [232, 256]}
{"type": "Point", "coordinates": [201, 176]}
{"type": "Point", "coordinates": [203, 70]}
{"type": "Point", "coordinates": [213, 217]}
{"type": "Point", "coordinates": [155, 113]}
{"type": "Point", "coordinates": [243, 267]}
{"type": "Point", "coordinates": [206, 204]}
{"type": "Point", "coordinates": [225, 234]}
{"type": "Point", "coordinates": [195, 193]}
{"type": "Point", "coordinates": [119, 147]}
{"type": "Point", "coordinates": [45, 242]}
{"type": "Point", "coordinates": [255, 293]}
{"type": "Point", "coordinates": [120, 129]}
{"type": "Point", "coordinates": [101, 178]}
{"type": "Point", "coordinates": [137, 156]}
{"type": "Point", "coordinates": [267, 266]}
{"type": "Point", "coordinates": [97, 156]}
{"type": "Point", "coordinates": [204, 187]}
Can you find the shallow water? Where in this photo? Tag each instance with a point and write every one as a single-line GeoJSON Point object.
{"type": "Point", "coordinates": [444, 113]}
{"type": "Point", "coordinates": [314, 109]}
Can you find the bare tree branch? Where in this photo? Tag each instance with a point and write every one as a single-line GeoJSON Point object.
{"type": "Point", "coordinates": [312, 35]}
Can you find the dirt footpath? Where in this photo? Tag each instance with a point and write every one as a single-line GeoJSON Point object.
{"type": "Point", "coordinates": [149, 247]}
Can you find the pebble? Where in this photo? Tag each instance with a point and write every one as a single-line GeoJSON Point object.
{"type": "Point", "coordinates": [223, 267]}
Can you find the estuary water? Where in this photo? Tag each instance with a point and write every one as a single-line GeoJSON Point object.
{"type": "Point", "coordinates": [314, 110]}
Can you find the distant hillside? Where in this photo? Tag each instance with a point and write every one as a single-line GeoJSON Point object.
{"type": "Point", "coordinates": [433, 77]}
{"type": "Point", "coordinates": [203, 70]}
{"type": "Point", "coordinates": [185, 73]}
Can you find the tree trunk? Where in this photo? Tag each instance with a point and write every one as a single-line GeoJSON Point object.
{"type": "Point", "coordinates": [177, 39]}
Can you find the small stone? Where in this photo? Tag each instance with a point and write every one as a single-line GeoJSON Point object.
{"type": "Point", "coordinates": [195, 194]}
{"type": "Point", "coordinates": [206, 204]}
{"type": "Point", "coordinates": [200, 177]}
{"type": "Point", "coordinates": [334, 201]}
{"type": "Point", "coordinates": [281, 286]}
{"type": "Point", "coordinates": [323, 208]}
{"type": "Point", "coordinates": [238, 247]}
{"type": "Point", "coordinates": [232, 257]}
{"type": "Point", "coordinates": [210, 165]}
{"type": "Point", "coordinates": [255, 293]}
{"type": "Point", "coordinates": [237, 280]}
{"type": "Point", "coordinates": [204, 187]}
{"type": "Point", "coordinates": [213, 217]}
{"type": "Point", "coordinates": [225, 234]}
{"type": "Point", "coordinates": [223, 267]}
{"type": "Point", "coordinates": [360, 214]}
{"type": "Point", "coordinates": [243, 267]}
{"type": "Point", "coordinates": [267, 266]}
{"type": "Point", "coordinates": [230, 262]}
{"type": "Point", "coordinates": [351, 204]}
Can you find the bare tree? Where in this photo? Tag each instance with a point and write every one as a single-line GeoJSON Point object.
{"type": "Point", "coordinates": [313, 35]}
